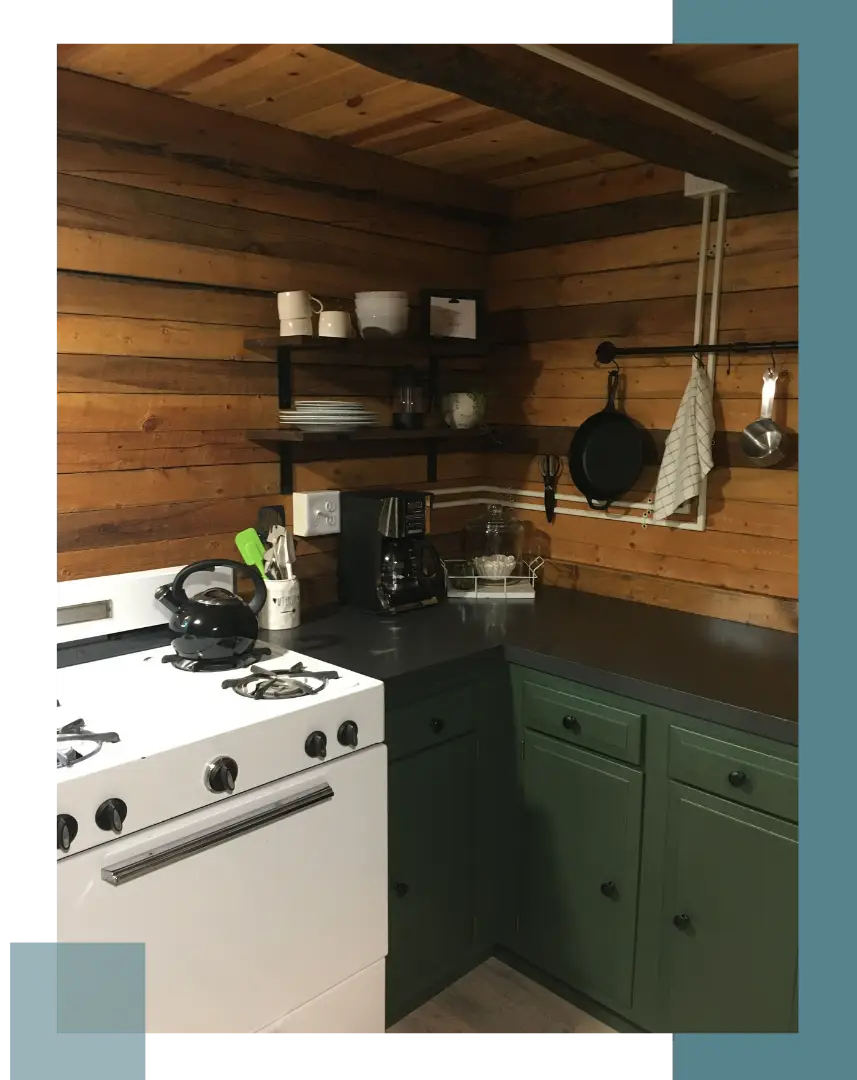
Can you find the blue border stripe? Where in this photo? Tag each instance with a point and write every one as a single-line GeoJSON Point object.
{"type": "Point", "coordinates": [108, 984]}
{"type": "Point", "coordinates": [825, 34]}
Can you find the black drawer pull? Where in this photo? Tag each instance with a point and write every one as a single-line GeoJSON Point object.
{"type": "Point", "coordinates": [737, 778]}
{"type": "Point", "coordinates": [681, 922]}
{"type": "Point", "coordinates": [571, 723]}
{"type": "Point", "coordinates": [437, 725]}
{"type": "Point", "coordinates": [400, 889]}
{"type": "Point", "coordinates": [608, 888]}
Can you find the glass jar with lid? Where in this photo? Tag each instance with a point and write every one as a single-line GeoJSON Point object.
{"type": "Point", "coordinates": [494, 542]}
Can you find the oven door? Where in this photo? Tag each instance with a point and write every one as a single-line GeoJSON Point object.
{"type": "Point", "coordinates": [249, 908]}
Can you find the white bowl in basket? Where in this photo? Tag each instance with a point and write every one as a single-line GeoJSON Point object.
{"type": "Point", "coordinates": [494, 566]}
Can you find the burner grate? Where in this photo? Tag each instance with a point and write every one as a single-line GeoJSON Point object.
{"type": "Point", "coordinates": [276, 685]}
{"type": "Point", "coordinates": [228, 663]}
{"type": "Point", "coordinates": [76, 732]}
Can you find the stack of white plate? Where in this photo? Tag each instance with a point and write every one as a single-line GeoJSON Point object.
{"type": "Point", "coordinates": [328, 416]}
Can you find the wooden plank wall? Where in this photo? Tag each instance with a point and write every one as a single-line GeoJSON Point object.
{"type": "Point", "coordinates": [614, 256]}
{"type": "Point", "coordinates": [177, 225]}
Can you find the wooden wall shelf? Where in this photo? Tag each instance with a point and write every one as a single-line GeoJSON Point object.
{"type": "Point", "coordinates": [284, 351]}
{"type": "Point", "coordinates": [403, 347]}
{"type": "Point", "coordinates": [378, 434]}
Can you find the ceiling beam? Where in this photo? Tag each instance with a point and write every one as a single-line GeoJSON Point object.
{"type": "Point", "coordinates": [536, 89]}
{"type": "Point", "coordinates": [632, 63]}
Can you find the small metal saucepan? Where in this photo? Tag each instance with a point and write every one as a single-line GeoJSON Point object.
{"type": "Point", "coordinates": [763, 442]}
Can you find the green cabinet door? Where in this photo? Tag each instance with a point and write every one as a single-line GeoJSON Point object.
{"type": "Point", "coordinates": [728, 947]}
{"type": "Point", "coordinates": [432, 837]}
{"type": "Point", "coordinates": [580, 840]}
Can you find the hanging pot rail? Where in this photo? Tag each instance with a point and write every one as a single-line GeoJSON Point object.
{"type": "Point", "coordinates": [607, 352]}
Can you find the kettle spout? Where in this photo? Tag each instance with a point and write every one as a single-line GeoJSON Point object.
{"type": "Point", "coordinates": [164, 595]}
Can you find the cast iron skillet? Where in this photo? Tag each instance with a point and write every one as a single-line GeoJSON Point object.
{"type": "Point", "coordinates": [606, 453]}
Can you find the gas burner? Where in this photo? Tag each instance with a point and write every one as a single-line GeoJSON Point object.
{"type": "Point", "coordinates": [265, 685]}
{"type": "Point", "coordinates": [75, 732]}
{"type": "Point", "coordinates": [228, 663]}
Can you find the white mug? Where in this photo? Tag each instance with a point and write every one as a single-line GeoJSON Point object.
{"type": "Point", "coordinates": [295, 327]}
{"type": "Point", "coordinates": [282, 608]}
{"type": "Point", "coordinates": [297, 304]}
{"type": "Point", "coordinates": [335, 324]}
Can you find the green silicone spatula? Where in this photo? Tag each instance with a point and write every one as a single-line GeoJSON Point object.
{"type": "Point", "coordinates": [252, 549]}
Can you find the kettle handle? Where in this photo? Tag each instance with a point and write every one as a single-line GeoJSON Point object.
{"type": "Point", "coordinates": [260, 591]}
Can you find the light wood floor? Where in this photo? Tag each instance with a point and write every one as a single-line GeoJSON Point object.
{"type": "Point", "coordinates": [495, 998]}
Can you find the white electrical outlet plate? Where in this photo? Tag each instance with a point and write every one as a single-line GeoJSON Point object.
{"type": "Point", "coordinates": [315, 513]}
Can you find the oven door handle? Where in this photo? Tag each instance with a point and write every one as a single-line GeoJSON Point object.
{"type": "Point", "coordinates": [177, 850]}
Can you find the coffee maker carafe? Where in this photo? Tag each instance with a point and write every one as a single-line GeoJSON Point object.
{"type": "Point", "coordinates": [385, 563]}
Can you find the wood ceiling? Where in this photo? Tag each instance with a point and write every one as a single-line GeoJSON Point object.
{"type": "Point", "coordinates": [310, 89]}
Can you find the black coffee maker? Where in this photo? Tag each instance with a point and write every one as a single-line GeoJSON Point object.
{"type": "Point", "coordinates": [386, 564]}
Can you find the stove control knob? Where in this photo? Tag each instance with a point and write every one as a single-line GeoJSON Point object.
{"type": "Point", "coordinates": [316, 745]}
{"type": "Point", "coordinates": [221, 774]}
{"type": "Point", "coordinates": [66, 831]}
{"type": "Point", "coordinates": [347, 734]}
{"type": "Point", "coordinates": [110, 815]}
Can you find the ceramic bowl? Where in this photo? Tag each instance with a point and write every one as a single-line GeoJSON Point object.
{"type": "Point", "coordinates": [380, 315]}
{"type": "Point", "coordinates": [462, 410]}
{"type": "Point", "coordinates": [494, 566]}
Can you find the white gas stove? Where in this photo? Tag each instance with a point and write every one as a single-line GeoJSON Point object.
{"type": "Point", "coordinates": [243, 838]}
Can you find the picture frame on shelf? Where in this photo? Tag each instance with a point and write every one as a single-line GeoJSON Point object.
{"type": "Point", "coordinates": [453, 313]}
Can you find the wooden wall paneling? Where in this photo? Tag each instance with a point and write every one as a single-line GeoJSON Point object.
{"type": "Point", "coordinates": [149, 169]}
{"type": "Point", "coordinates": [657, 247]}
{"type": "Point", "coordinates": [765, 308]}
{"type": "Point", "coordinates": [149, 523]}
{"type": "Point", "coordinates": [628, 218]}
{"type": "Point", "coordinates": [94, 451]}
{"type": "Point", "coordinates": [771, 612]}
{"type": "Point", "coordinates": [112, 207]}
{"type": "Point", "coordinates": [94, 294]}
{"type": "Point", "coordinates": [161, 280]}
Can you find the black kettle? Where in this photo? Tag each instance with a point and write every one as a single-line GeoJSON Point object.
{"type": "Point", "coordinates": [214, 625]}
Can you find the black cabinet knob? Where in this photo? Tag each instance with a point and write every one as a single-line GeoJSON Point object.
{"type": "Point", "coordinates": [571, 723]}
{"type": "Point", "coordinates": [221, 774]}
{"type": "Point", "coordinates": [437, 725]}
{"type": "Point", "coordinates": [608, 888]}
{"type": "Point", "coordinates": [400, 889]}
{"type": "Point", "coordinates": [66, 831]}
{"type": "Point", "coordinates": [347, 734]}
{"type": "Point", "coordinates": [681, 922]}
{"type": "Point", "coordinates": [737, 778]}
{"type": "Point", "coordinates": [110, 815]}
{"type": "Point", "coordinates": [316, 745]}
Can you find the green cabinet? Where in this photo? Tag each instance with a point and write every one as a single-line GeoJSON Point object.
{"type": "Point", "coordinates": [432, 900]}
{"type": "Point", "coordinates": [451, 818]}
{"type": "Point", "coordinates": [657, 860]}
{"type": "Point", "coordinates": [728, 942]}
{"type": "Point", "coordinates": [645, 859]}
{"type": "Point", "coordinates": [580, 844]}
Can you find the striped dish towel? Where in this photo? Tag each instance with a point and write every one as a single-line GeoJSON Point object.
{"type": "Point", "coordinates": [687, 454]}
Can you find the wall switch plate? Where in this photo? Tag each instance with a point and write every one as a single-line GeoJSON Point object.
{"type": "Point", "coordinates": [315, 513]}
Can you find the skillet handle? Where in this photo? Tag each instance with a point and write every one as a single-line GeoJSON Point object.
{"type": "Point", "coordinates": [612, 387]}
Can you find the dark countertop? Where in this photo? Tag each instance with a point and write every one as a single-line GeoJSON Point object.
{"type": "Point", "coordinates": [741, 676]}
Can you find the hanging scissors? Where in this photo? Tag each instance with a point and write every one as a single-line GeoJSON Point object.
{"type": "Point", "coordinates": [551, 467]}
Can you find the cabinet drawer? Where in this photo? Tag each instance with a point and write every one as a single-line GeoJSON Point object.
{"type": "Point", "coordinates": [434, 719]}
{"type": "Point", "coordinates": [762, 781]}
{"type": "Point", "coordinates": [579, 715]}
